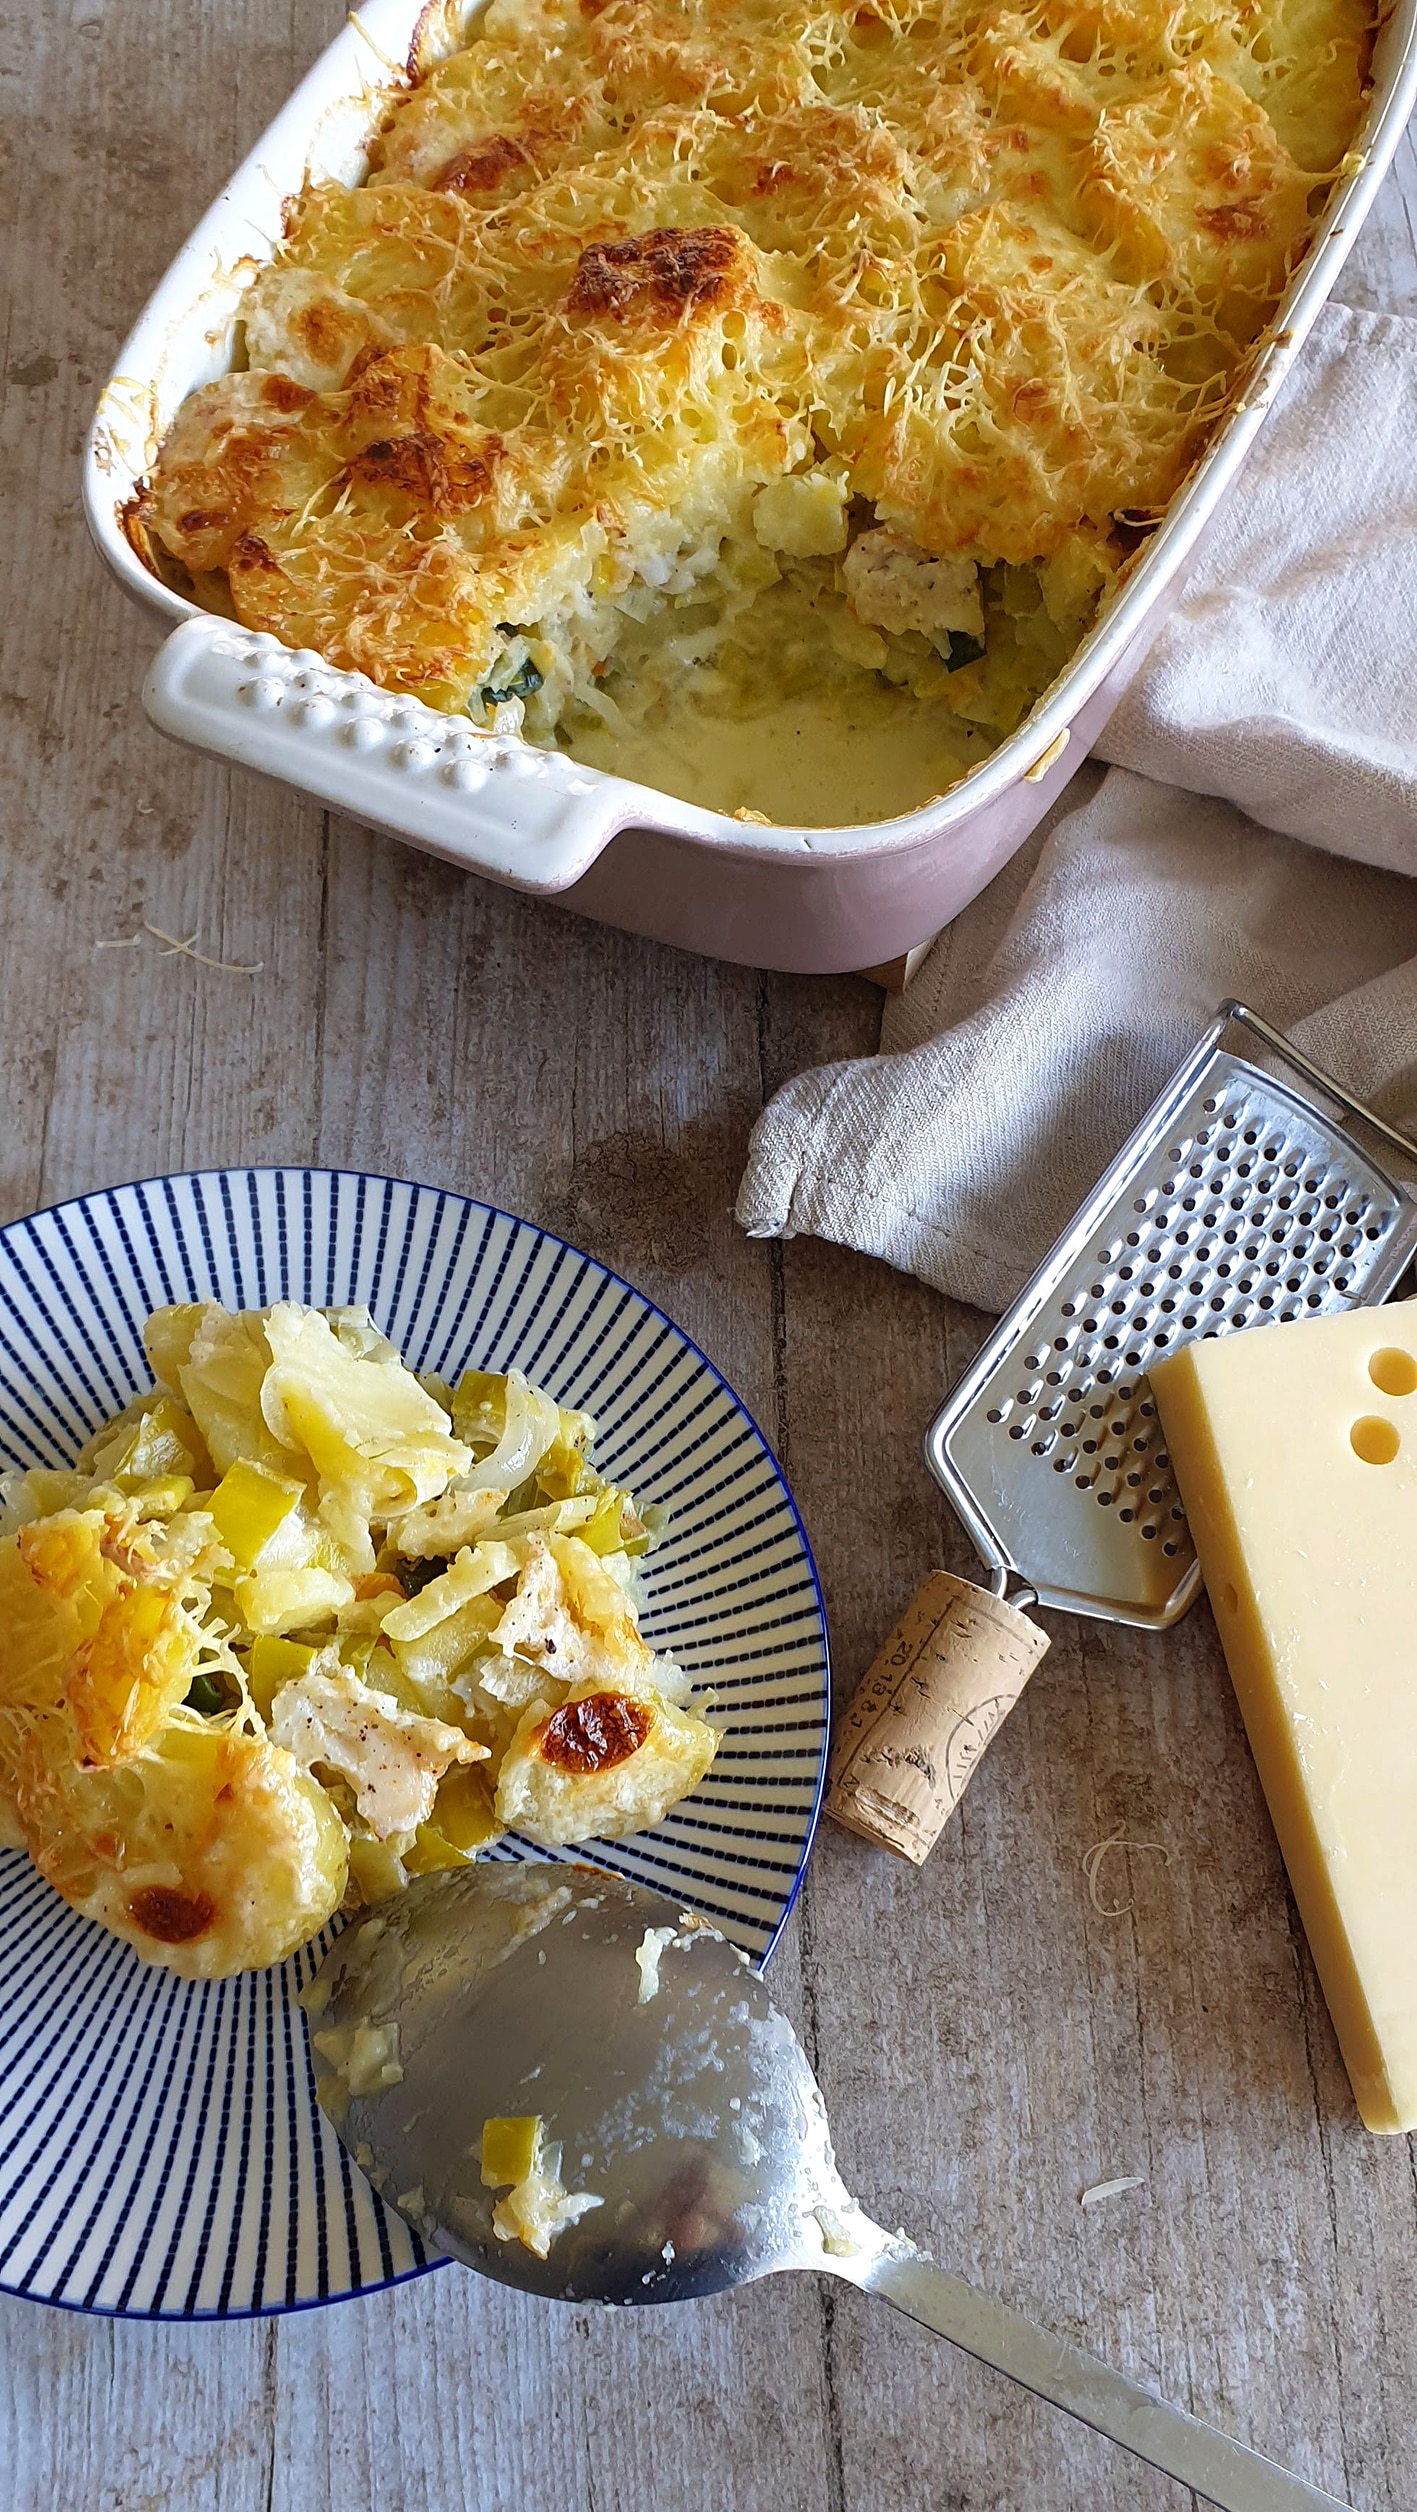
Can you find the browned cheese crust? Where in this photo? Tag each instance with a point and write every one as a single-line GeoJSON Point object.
{"type": "Point", "coordinates": [618, 266]}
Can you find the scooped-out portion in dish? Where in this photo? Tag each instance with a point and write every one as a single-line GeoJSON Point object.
{"type": "Point", "coordinates": [299, 1625]}
{"type": "Point", "coordinates": [759, 397]}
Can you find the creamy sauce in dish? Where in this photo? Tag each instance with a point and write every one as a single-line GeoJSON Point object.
{"type": "Point", "coordinates": [813, 761]}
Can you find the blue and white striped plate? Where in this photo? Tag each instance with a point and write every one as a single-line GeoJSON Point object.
{"type": "Point", "coordinates": [161, 2152]}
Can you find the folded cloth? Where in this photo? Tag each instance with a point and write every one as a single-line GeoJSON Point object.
{"type": "Point", "coordinates": [1275, 716]}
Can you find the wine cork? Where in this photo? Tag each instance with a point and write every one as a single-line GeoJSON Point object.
{"type": "Point", "coordinates": [945, 1681]}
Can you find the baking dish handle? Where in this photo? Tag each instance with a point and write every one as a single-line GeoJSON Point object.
{"type": "Point", "coordinates": [487, 801]}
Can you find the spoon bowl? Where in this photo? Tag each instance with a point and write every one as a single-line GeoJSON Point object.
{"type": "Point", "coordinates": [680, 2098]}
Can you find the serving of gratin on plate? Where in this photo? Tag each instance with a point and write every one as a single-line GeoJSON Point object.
{"type": "Point", "coordinates": [329, 1605]}
{"type": "Point", "coordinates": [299, 1625]}
{"type": "Point", "coordinates": [758, 403]}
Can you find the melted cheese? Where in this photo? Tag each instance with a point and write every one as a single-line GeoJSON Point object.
{"type": "Point", "coordinates": [392, 1758]}
{"type": "Point", "coordinates": [647, 314]}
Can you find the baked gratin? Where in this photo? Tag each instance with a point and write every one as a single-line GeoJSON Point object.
{"type": "Point", "coordinates": [757, 397]}
{"type": "Point", "coordinates": [300, 1625]}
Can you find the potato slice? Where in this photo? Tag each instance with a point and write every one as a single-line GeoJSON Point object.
{"type": "Point", "coordinates": [211, 1852]}
{"type": "Point", "coordinates": [602, 1765]}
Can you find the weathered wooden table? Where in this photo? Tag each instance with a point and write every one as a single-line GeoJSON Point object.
{"type": "Point", "coordinates": [991, 2043]}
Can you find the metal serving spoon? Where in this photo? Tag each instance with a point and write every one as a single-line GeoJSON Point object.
{"type": "Point", "coordinates": [682, 2102]}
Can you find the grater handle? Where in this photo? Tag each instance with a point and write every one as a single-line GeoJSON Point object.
{"type": "Point", "coordinates": [1295, 1057]}
{"type": "Point", "coordinates": [921, 1719]}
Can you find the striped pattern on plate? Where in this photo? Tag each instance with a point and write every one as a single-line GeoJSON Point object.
{"type": "Point", "coordinates": [161, 2152]}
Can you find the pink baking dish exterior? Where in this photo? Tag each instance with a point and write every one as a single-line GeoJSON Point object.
{"type": "Point", "coordinates": [813, 900]}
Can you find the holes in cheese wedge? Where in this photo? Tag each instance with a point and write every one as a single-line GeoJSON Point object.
{"type": "Point", "coordinates": [1374, 1440]}
{"type": "Point", "coordinates": [1393, 1370]}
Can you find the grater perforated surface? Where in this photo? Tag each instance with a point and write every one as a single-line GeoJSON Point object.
{"type": "Point", "coordinates": [1235, 1203]}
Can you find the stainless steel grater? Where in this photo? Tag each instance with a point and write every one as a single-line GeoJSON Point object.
{"type": "Point", "coordinates": [1235, 1201]}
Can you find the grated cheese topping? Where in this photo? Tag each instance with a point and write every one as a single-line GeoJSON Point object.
{"type": "Point", "coordinates": [650, 318]}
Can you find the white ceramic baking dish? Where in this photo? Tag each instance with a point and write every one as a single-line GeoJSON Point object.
{"type": "Point", "coordinates": [807, 899]}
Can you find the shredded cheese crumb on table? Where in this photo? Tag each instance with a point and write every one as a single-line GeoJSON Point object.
{"type": "Point", "coordinates": [1101, 2191]}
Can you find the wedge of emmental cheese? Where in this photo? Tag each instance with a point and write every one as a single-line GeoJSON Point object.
{"type": "Point", "coordinates": [1295, 1447]}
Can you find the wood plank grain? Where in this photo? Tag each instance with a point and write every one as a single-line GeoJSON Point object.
{"type": "Point", "coordinates": [453, 2392]}
{"type": "Point", "coordinates": [110, 2416]}
{"type": "Point", "coordinates": [101, 162]}
{"type": "Point", "coordinates": [991, 2043]}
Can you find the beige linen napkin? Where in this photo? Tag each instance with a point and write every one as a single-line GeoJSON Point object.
{"type": "Point", "coordinates": [1275, 717]}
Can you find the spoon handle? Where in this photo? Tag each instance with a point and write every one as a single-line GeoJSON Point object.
{"type": "Point", "coordinates": [1221, 2471]}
